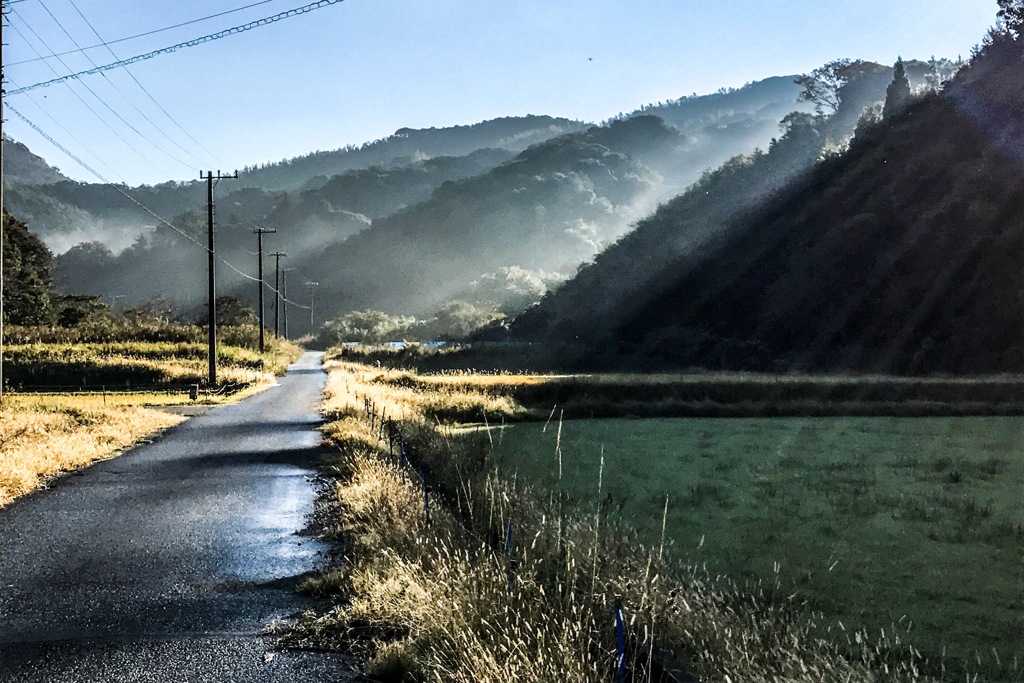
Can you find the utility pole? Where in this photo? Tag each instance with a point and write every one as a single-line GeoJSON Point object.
{"type": "Point", "coordinates": [211, 181]}
{"type": "Point", "coordinates": [3, 207]}
{"type": "Point", "coordinates": [277, 291]}
{"type": "Point", "coordinates": [284, 297]}
{"type": "Point", "coordinates": [260, 232]}
{"type": "Point", "coordinates": [311, 285]}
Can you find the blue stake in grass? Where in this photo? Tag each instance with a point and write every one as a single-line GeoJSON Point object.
{"type": "Point", "coordinates": [426, 492]}
{"type": "Point", "coordinates": [620, 640]}
{"type": "Point", "coordinates": [511, 569]}
{"type": "Point", "coordinates": [402, 457]}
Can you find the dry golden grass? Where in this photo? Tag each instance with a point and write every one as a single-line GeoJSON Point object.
{"type": "Point", "coordinates": [41, 437]}
{"type": "Point", "coordinates": [402, 395]}
{"type": "Point", "coordinates": [142, 363]}
{"type": "Point", "coordinates": [438, 603]}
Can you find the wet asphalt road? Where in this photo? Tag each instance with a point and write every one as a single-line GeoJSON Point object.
{"type": "Point", "coordinates": [166, 564]}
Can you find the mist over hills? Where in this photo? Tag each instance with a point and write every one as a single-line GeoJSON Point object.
{"type": "Point", "coordinates": [534, 196]}
{"type": "Point", "coordinates": [314, 206]}
{"type": "Point", "coordinates": [898, 256]}
{"type": "Point", "coordinates": [65, 212]}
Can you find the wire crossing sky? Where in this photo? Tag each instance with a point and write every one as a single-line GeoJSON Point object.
{"type": "Point", "coordinates": [358, 70]}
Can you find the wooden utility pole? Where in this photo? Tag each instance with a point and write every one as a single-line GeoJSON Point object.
{"type": "Point", "coordinates": [284, 297]}
{"type": "Point", "coordinates": [260, 232]}
{"type": "Point", "coordinates": [3, 207]}
{"type": "Point", "coordinates": [311, 285]}
{"type": "Point", "coordinates": [277, 291]}
{"type": "Point", "coordinates": [211, 181]}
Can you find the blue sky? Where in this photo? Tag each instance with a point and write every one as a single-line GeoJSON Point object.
{"type": "Point", "coordinates": [360, 69]}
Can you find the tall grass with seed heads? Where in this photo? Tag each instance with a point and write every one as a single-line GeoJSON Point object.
{"type": "Point", "coordinates": [446, 602]}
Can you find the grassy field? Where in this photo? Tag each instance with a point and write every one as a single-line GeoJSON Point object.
{"type": "Point", "coordinates": [443, 601]}
{"type": "Point", "coordinates": [126, 364]}
{"type": "Point", "coordinates": [43, 435]}
{"type": "Point", "coordinates": [874, 520]}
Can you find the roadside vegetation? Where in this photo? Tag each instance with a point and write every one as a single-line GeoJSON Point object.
{"type": "Point", "coordinates": [133, 363]}
{"type": "Point", "coordinates": [44, 436]}
{"type": "Point", "coordinates": [71, 399]}
{"type": "Point", "coordinates": [455, 599]}
{"type": "Point", "coordinates": [690, 394]}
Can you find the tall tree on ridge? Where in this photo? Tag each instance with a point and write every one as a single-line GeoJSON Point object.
{"type": "Point", "coordinates": [897, 95]}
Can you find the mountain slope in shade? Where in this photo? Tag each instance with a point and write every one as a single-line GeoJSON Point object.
{"type": "Point", "coordinates": [24, 167]}
{"type": "Point", "coordinates": [547, 209]}
{"type": "Point", "coordinates": [901, 256]}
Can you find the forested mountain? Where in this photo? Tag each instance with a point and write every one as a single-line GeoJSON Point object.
{"type": "Point", "coordinates": [23, 167]}
{"type": "Point", "coordinates": [417, 229]}
{"type": "Point", "coordinates": [899, 256]}
{"type": "Point", "coordinates": [324, 211]}
{"type": "Point", "coordinates": [64, 212]}
{"type": "Point", "coordinates": [411, 144]}
{"type": "Point", "coordinates": [632, 271]}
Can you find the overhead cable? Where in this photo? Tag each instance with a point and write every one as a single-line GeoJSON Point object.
{"type": "Point", "coordinates": [105, 43]}
{"type": "Point", "coordinates": [81, 99]}
{"type": "Point", "coordinates": [139, 204]}
{"type": "Point", "coordinates": [190, 43]}
{"type": "Point", "coordinates": [125, 97]}
{"type": "Point", "coordinates": [145, 90]}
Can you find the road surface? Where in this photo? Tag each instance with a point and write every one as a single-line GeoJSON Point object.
{"type": "Point", "coordinates": [166, 564]}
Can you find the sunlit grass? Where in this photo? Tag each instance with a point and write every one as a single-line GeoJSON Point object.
{"type": "Point", "coordinates": [45, 434]}
{"type": "Point", "coordinates": [41, 438]}
{"type": "Point", "coordinates": [435, 602]}
{"type": "Point", "coordinates": [140, 363]}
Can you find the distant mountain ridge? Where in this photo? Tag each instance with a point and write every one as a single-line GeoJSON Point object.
{"type": "Point", "coordinates": [23, 167]}
{"type": "Point", "coordinates": [407, 145]}
{"type": "Point", "coordinates": [411, 231]}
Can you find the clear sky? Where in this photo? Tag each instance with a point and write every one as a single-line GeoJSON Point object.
{"type": "Point", "coordinates": [360, 69]}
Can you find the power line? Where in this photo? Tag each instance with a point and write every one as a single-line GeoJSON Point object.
{"type": "Point", "coordinates": [135, 201]}
{"type": "Point", "coordinates": [125, 97]}
{"type": "Point", "coordinates": [63, 128]}
{"type": "Point", "coordinates": [104, 43]}
{"type": "Point", "coordinates": [146, 91]}
{"type": "Point", "coordinates": [81, 99]}
{"type": "Point", "coordinates": [190, 43]}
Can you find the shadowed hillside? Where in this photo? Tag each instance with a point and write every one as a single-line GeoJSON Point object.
{"type": "Point", "coordinates": [65, 212]}
{"type": "Point", "coordinates": [24, 167]}
{"type": "Point", "coordinates": [900, 256]}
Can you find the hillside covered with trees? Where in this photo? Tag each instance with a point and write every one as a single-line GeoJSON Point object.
{"type": "Point", "coordinates": [514, 206]}
{"type": "Point", "coordinates": [897, 256]}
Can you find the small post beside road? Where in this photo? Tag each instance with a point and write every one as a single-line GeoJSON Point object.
{"type": "Point", "coordinates": [211, 182]}
{"type": "Point", "coordinates": [260, 232]}
{"type": "Point", "coordinates": [426, 492]}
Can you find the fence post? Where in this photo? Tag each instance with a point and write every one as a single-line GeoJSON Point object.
{"type": "Point", "coordinates": [391, 439]}
{"type": "Point", "coordinates": [620, 639]}
{"type": "Point", "coordinates": [511, 563]}
{"type": "Point", "coordinates": [426, 492]}
{"type": "Point", "coordinates": [402, 457]}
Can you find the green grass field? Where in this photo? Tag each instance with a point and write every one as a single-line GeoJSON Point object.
{"type": "Point", "coordinates": [873, 520]}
